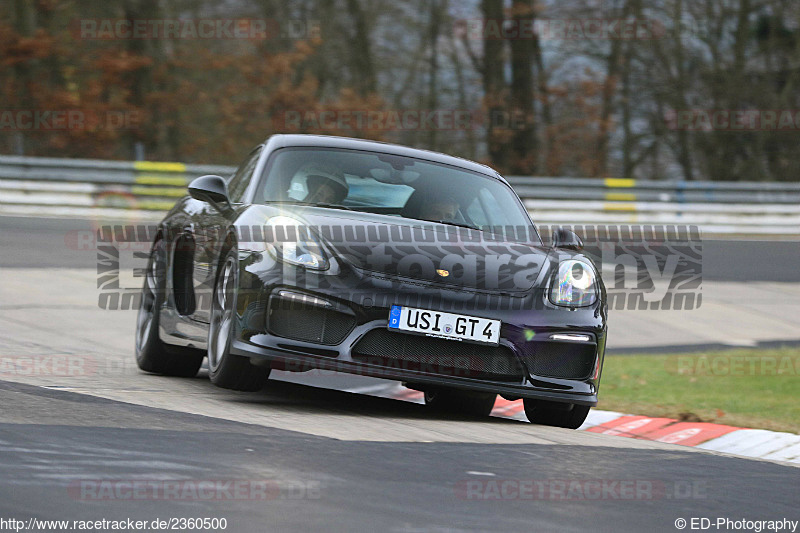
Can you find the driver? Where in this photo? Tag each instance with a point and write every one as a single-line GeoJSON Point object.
{"type": "Point", "coordinates": [440, 209]}
{"type": "Point", "coordinates": [325, 184]}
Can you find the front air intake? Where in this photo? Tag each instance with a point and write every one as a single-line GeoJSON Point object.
{"type": "Point", "coordinates": [306, 318]}
{"type": "Point", "coordinates": [385, 348]}
{"type": "Point", "coordinates": [564, 360]}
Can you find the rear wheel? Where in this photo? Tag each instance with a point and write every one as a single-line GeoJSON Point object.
{"type": "Point", "coordinates": [225, 369]}
{"type": "Point", "coordinates": [152, 354]}
{"type": "Point", "coordinates": [563, 415]}
{"type": "Point", "coordinates": [477, 404]}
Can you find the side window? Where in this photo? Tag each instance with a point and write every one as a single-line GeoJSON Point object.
{"type": "Point", "coordinates": [241, 179]}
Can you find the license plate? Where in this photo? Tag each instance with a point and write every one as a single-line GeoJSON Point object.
{"type": "Point", "coordinates": [444, 325]}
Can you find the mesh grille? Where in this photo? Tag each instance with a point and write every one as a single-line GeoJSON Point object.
{"type": "Point", "coordinates": [309, 323]}
{"type": "Point", "coordinates": [437, 356]}
{"type": "Point", "coordinates": [560, 359]}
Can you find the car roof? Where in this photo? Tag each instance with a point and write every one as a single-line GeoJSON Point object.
{"type": "Point", "coordinates": [329, 141]}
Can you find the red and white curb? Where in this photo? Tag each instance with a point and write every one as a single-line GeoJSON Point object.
{"type": "Point", "coordinates": [758, 443]}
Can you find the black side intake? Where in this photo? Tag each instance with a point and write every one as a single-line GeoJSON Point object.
{"type": "Point", "coordinates": [308, 319]}
{"type": "Point", "coordinates": [554, 359]}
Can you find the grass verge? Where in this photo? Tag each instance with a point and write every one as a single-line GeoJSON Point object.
{"type": "Point", "coordinates": [755, 388]}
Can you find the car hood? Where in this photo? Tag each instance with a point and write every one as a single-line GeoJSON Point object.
{"type": "Point", "coordinates": [440, 254]}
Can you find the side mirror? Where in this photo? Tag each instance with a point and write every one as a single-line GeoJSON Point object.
{"type": "Point", "coordinates": [211, 189]}
{"type": "Point", "coordinates": [564, 238]}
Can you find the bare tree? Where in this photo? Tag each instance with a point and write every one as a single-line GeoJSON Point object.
{"type": "Point", "coordinates": [524, 144]}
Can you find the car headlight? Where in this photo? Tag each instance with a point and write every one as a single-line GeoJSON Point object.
{"type": "Point", "coordinates": [574, 285]}
{"type": "Point", "coordinates": [304, 251]}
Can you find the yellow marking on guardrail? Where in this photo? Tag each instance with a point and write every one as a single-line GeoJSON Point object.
{"type": "Point", "coordinates": [620, 197]}
{"type": "Point", "coordinates": [153, 179]}
{"type": "Point", "coordinates": [619, 182]}
{"type": "Point", "coordinates": [619, 207]}
{"type": "Point", "coordinates": [171, 192]}
{"type": "Point", "coordinates": [154, 206]}
{"type": "Point", "coordinates": [157, 166]}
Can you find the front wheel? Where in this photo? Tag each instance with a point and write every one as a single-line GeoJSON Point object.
{"type": "Point", "coordinates": [562, 415]}
{"type": "Point", "coordinates": [225, 369]}
{"type": "Point", "coordinates": [152, 354]}
{"type": "Point", "coordinates": [476, 404]}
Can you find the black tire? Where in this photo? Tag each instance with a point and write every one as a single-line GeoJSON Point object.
{"type": "Point", "coordinates": [225, 369]}
{"type": "Point", "coordinates": [562, 415]}
{"type": "Point", "coordinates": [454, 401]}
{"type": "Point", "coordinates": [152, 354]}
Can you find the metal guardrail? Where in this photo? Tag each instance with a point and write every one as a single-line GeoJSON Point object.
{"type": "Point", "coordinates": [102, 171]}
{"type": "Point", "coordinates": [625, 190]}
{"type": "Point", "coordinates": [717, 207]}
{"type": "Point", "coordinates": [143, 185]}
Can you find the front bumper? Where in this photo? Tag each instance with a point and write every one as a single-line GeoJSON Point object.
{"type": "Point", "coordinates": [294, 355]}
{"type": "Point", "coordinates": [527, 319]}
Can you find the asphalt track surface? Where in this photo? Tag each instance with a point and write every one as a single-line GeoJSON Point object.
{"type": "Point", "coordinates": [51, 439]}
{"type": "Point", "coordinates": [335, 460]}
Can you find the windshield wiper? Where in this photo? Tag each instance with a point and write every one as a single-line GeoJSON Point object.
{"type": "Point", "coordinates": [332, 206]}
{"type": "Point", "coordinates": [457, 224]}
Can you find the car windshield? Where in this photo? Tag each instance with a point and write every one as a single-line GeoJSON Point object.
{"type": "Point", "coordinates": [389, 184]}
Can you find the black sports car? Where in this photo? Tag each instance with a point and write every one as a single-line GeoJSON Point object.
{"type": "Point", "coordinates": [374, 259]}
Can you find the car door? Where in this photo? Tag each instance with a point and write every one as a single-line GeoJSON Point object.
{"type": "Point", "coordinates": [210, 227]}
